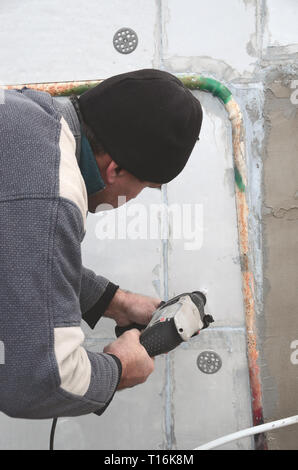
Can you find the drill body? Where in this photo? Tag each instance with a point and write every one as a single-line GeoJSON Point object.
{"type": "Point", "coordinates": [174, 321]}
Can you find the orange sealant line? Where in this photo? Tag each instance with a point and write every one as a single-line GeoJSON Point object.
{"type": "Point", "coordinates": [57, 88]}
{"type": "Point", "coordinates": [238, 139]}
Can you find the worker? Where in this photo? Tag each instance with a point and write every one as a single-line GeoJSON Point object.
{"type": "Point", "coordinates": [60, 160]}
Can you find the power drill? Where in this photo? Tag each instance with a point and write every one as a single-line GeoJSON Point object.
{"type": "Point", "coordinates": [174, 321]}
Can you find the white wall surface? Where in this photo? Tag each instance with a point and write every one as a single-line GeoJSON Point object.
{"type": "Point", "coordinates": [281, 27]}
{"type": "Point", "coordinates": [72, 40]}
{"type": "Point", "coordinates": [216, 31]}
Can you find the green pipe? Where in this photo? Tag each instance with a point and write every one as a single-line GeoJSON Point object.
{"type": "Point", "coordinates": [193, 82]}
{"type": "Point", "coordinates": [197, 82]}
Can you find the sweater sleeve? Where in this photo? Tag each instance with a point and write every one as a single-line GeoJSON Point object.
{"type": "Point", "coordinates": [93, 376]}
{"type": "Point", "coordinates": [48, 371]}
{"type": "Point", "coordinates": [95, 296]}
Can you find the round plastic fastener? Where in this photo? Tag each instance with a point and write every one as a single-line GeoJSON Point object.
{"type": "Point", "coordinates": [125, 40]}
{"type": "Point", "coordinates": [209, 362]}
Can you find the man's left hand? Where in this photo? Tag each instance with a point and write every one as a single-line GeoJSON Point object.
{"type": "Point", "coordinates": [127, 307]}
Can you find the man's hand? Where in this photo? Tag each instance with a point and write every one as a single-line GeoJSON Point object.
{"type": "Point", "coordinates": [137, 365]}
{"type": "Point", "coordinates": [127, 307]}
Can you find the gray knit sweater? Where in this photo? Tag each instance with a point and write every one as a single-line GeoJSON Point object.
{"type": "Point", "coordinates": [44, 289]}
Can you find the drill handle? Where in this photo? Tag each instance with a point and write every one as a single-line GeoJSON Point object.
{"type": "Point", "coordinates": [119, 330]}
{"type": "Point", "coordinates": [158, 339]}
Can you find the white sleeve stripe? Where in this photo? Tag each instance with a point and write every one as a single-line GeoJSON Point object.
{"type": "Point", "coordinates": [73, 361]}
{"type": "Point", "coordinates": [71, 182]}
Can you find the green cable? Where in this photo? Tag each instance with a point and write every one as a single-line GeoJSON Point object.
{"type": "Point", "coordinates": [197, 82]}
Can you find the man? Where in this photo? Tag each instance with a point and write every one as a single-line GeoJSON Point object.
{"type": "Point", "coordinates": [58, 161]}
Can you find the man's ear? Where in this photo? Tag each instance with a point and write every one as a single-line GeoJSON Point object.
{"type": "Point", "coordinates": [112, 172]}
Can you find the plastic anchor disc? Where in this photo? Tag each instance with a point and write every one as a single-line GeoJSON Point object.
{"type": "Point", "coordinates": [125, 40]}
{"type": "Point", "coordinates": [209, 362]}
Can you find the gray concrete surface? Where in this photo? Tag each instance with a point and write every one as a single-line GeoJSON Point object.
{"type": "Point", "coordinates": [279, 331]}
{"type": "Point", "coordinates": [252, 47]}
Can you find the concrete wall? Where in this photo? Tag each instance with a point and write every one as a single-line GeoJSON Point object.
{"type": "Point", "coordinates": [252, 47]}
{"type": "Point", "coordinates": [279, 328]}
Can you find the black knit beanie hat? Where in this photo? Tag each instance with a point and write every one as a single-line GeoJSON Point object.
{"type": "Point", "coordinates": [147, 121]}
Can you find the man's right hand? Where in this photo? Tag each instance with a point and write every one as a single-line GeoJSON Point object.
{"type": "Point", "coordinates": [137, 365]}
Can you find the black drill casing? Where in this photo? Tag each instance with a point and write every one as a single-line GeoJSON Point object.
{"type": "Point", "coordinates": [161, 338]}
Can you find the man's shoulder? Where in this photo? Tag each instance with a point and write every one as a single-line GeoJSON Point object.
{"type": "Point", "coordinates": [38, 151]}
{"type": "Point", "coordinates": [30, 132]}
